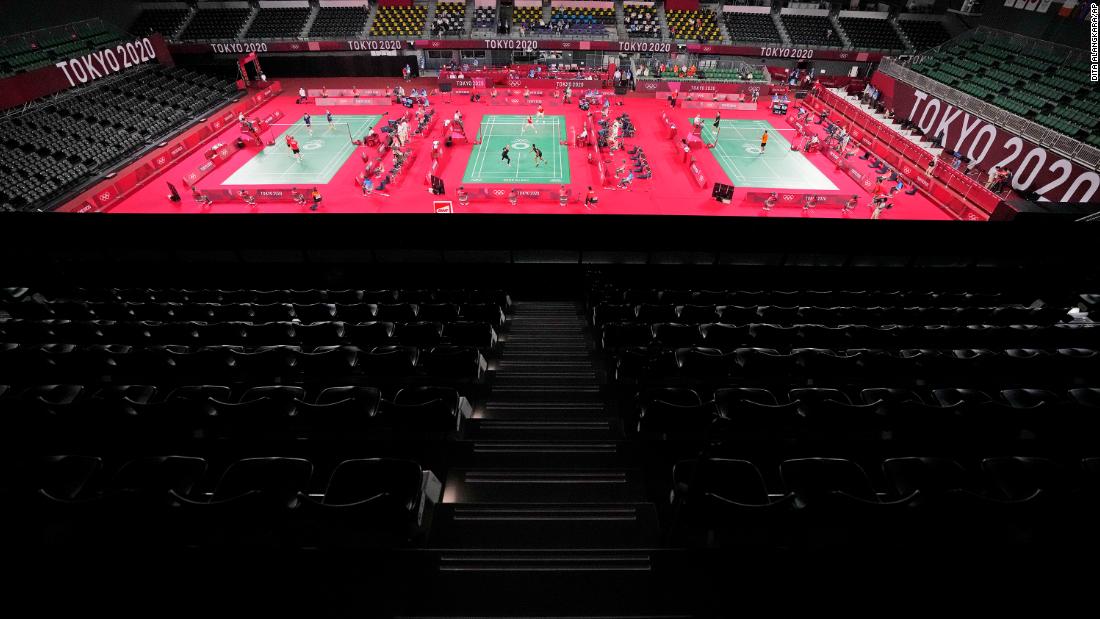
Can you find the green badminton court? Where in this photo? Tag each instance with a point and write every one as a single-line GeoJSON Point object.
{"type": "Point", "coordinates": [486, 166]}
{"type": "Point", "coordinates": [738, 152]}
{"type": "Point", "coordinates": [323, 153]}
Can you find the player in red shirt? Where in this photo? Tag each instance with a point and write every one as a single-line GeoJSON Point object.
{"type": "Point", "coordinates": [590, 198]}
{"type": "Point", "coordinates": [540, 113]}
{"type": "Point", "coordinates": [293, 145]}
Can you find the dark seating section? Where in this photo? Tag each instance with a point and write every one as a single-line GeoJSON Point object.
{"type": "Point", "coordinates": [450, 19]}
{"type": "Point", "coordinates": [215, 23]}
{"type": "Point", "coordinates": [811, 30]}
{"type": "Point", "coordinates": [162, 20]}
{"type": "Point", "coordinates": [871, 33]}
{"type": "Point", "coordinates": [273, 23]}
{"type": "Point", "coordinates": [398, 20]}
{"type": "Point", "coordinates": [1032, 83]}
{"type": "Point", "coordinates": [343, 21]}
{"type": "Point", "coordinates": [697, 25]}
{"type": "Point", "coordinates": [942, 503]}
{"type": "Point", "coordinates": [177, 500]}
{"type": "Point", "coordinates": [57, 147]}
{"type": "Point", "coordinates": [751, 27]}
{"type": "Point", "coordinates": [42, 48]}
{"type": "Point", "coordinates": [161, 396]}
{"type": "Point", "coordinates": [641, 21]}
{"type": "Point", "coordinates": [924, 34]}
{"type": "Point", "coordinates": [966, 419]}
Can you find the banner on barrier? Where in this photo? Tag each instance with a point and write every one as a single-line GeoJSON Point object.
{"type": "Point", "coordinates": [1034, 169]}
{"type": "Point", "coordinates": [237, 48]}
{"type": "Point", "coordinates": [699, 89]}
{"type": "Point", "coordinates": [67, 73]}
{"type": "Point", "coordinates": [796, 198]}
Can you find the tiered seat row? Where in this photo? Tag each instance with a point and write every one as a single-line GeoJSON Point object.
{"type": "Point", "coordinates": [126, 413]}
{"type": "Point", "coordinates": [485, 16]}
{"type": "Point", "coordinates": [530, 17]}
{"type": "Point", "coordinates": [338, 22]}
{"type": "Point", "coordinates": [924, 34]}
{"type": "Point", "coordinates": [422, 333]}
{"type": "Point", "coordinates": [276, 23]}
{"type": "Point", "coordinates": [698, 25]}
{"type": "Point", "coordinates": [810, 30]}
{"type": "Point", "coordinates": [215, 23]}
{"type": "Point", "coordinates": [641, 21]}
{"type": "Point", "coordinates": [162, 20]}
{"type": "Point", "coordinates": [399, 21]}
{"type": "Point", "coordinates": [450, 19]}
{"type": "Point", "coordinates": [941, 503]}
{"type": "Point", "coordinates": [1029, 83]}
{"type": "Point", "coordinates": [55, 148]}
{"type": "Point", "coordinates": [896, 414]}
{"type": "Point", "coordinates": [871, 33]}
{"type": "Point", "coordinates": [755, 27]}
{"type": "Point", "coordinates": [177, 501]}
{"type": "Point", "coordinates": [820, 298]}
{"type": "Point", "coordinates": [29, 363]}
{"type": "Point", "coordinates": [583, 20]}
{"type": "Point", "coordinates": [29, 52]}
{"type": "Point", "coordinates": [26, 298]}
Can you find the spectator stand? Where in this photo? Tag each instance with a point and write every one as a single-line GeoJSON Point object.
{"type": "Point", "coordinates": [956, 193]}
{"type": "Point", "coordinates": [640, 19]}
{"type": "Point", "coordinates": [750, 24]}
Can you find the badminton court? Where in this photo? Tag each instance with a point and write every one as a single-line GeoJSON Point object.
{"type": "Point", "coordinates": [323, 153]}
{"type": "Point", "coordinates": [738, 152]}
{"type": "Point", "coordinates": [497, 131]}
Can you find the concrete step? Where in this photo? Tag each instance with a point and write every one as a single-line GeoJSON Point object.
{"type": "Point", "coordinates": [526, 428]}
{"type": "Point", "coordinates": [544, 486]}
{"type": "Point", "coordinates": [540, 525]}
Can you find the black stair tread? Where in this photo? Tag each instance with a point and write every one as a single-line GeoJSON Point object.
{"type": "Point", "coordinates": [544, 486]}
{"type": "Point", "coordinates": [543, 616]}
{"type": "Point", "coordinates": [542, 410]}
{"type": "Point", "coordinates": [545, 560]}
{"type": "Point", "coordinates": [546, 525]}
{"type": "Point", "coordinates": [542, 429]}
{"type": "Point", "coordinates": [518, 406]}
{"type": "Point", "coordinates": [543, 454]}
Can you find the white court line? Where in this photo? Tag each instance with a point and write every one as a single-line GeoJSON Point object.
{"type": "Point", "coordinates": [480, 148]}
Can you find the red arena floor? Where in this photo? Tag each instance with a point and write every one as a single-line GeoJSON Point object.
{"type": "Point", "coordinates": [672, 190]}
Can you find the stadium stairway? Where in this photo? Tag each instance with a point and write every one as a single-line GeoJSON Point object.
{"type": "Point", "coordinates": [429, 17]}
{"type": "Point", "coordinates": [662, 19]}
{"type": "Point", "coordinates": [468, 21]}
{"type": "Point", "coordinates": [191, 12]}
{"type": "Point", "coordinates": [835, 21]}
{"type": "Point", "coordinates": [620, 22]}
{"type": "Point", "coordinates": [783, 36]}
{"type": "Point", "coordinates": [374, 8]}
{"type": "Point", "coordinates": [255, 12]}
{"type": "Point", "coordinates": [722, 28]}
{"type": "Point", "coordinates": [314, 11]}
{"type": "Point", "coordinates": [548, 488]}
{"type": "Point", "coordinates": [924, 142]}
{"type": "Point", "coordinates": [901, 33]}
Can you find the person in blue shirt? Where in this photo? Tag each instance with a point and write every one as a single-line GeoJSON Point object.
{"type": "Point", "coordinates": [308, 120]}
{"type": "Point", "coordinates": [368, 185]}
